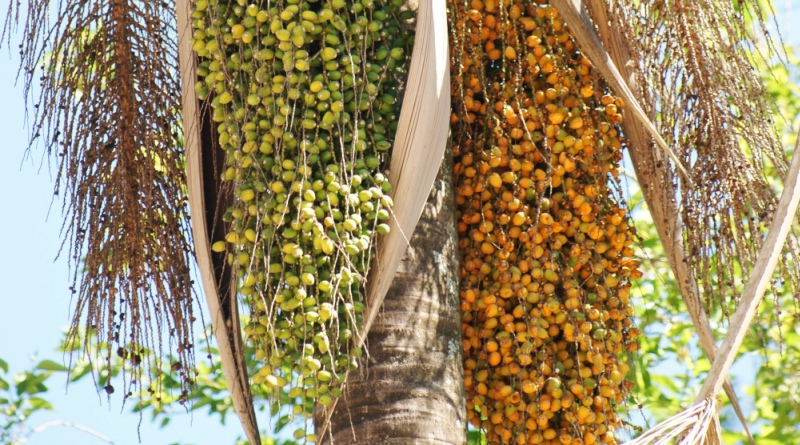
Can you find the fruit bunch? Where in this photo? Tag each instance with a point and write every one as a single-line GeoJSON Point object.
{"type": "Point", "coordinates": [546, 256]}
{"type": "Point", "coordinates": [305, 96]}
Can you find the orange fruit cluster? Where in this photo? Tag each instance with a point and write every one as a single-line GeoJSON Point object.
{"type": "Point", "coordinates": [545, 245]}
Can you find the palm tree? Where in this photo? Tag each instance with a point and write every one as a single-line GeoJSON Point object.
{"type": "Point", "coordinates": [109, 111]}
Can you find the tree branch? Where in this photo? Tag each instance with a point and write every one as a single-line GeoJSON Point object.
{"type": "Point", "coordinates": [76, 426]}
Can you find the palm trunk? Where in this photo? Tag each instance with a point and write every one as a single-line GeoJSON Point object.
{"type": "Point", "coordinates": [409, 388]}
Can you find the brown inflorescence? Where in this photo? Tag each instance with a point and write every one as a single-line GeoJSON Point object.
{"type": "Point", "coordinates": [546, 248]}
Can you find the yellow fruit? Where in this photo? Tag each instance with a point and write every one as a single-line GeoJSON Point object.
{"type": "Point", "coordinates": [247, 195]}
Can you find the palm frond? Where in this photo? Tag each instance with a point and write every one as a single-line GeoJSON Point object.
{"type": "Point", "coordinates": [699, 424]}
{"type": "Point", "coordinates": [759, 278]}
{"type": "Point", "coordinates": [417, 155]}
{"type": "Point", "coordinates": [695, 425]}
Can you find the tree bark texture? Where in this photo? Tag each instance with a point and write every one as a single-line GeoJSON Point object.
{"type": "Point", "coordinates": [409, 387]}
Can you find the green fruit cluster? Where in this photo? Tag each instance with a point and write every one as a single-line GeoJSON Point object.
{"type": "Point", "coordinates": [305, 96]}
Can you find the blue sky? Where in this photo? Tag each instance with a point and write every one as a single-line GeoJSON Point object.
{"type": "Point", "coordinates": [36, 299]}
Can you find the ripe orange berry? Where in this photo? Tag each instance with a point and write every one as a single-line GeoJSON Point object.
{"type": "Point", "coordinates": [510, 53]}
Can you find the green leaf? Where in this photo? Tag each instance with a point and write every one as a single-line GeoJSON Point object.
{"type": "Point", "coordinates": [651, 243]}
{"type": "Point", "coordinates": [39, 403]}
{"type": "Point", "coordinates": [665, 381]}
{"type": "Point", "coordinates": [3, 365]}
{"type": "Point", "coordinates": [768, 441]}
{"type": "Point", "coordinates": [203, 402]}
{"type": "Point", "coordinates": [49, 365]}
{"type": "Point", "coordinates": [78, 373]}
{"type": "Point", "coordinates": [475, 437]}
{"type": "Point", "coordinates": [32, 384]}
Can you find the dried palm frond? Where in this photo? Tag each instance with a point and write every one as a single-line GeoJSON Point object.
{"type": "Point", "coordinates": [697, 424]}
{"type": "Point", "coordinates": [417, 155]}
{"type": "Point", "coordinates": [693, 65]}
{"type": "Point", "coordinates": [206, 203]}
{"type": "Point", "coordinates": [759, 278]}
{"type": "Point", "coordinates": [103, 80]}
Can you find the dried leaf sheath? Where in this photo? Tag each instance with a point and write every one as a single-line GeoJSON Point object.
{"type": "Point", "coordinates": [103, 79]}
{"type": "Point", "coordinates": [207, 200]}
{"type": "Point", "coordinates": [419, 146]}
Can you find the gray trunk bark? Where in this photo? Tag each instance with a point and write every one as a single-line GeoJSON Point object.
{"type": "Point", "coordinates": [409, 388]}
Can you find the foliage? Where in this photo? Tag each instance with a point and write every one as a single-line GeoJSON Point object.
{"type": "Point", "coordinates": [475, 437]}
{"type": "Point", "coordinates": [21, 396]}
{"type": "Point", "coordinates": [24, 394]}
